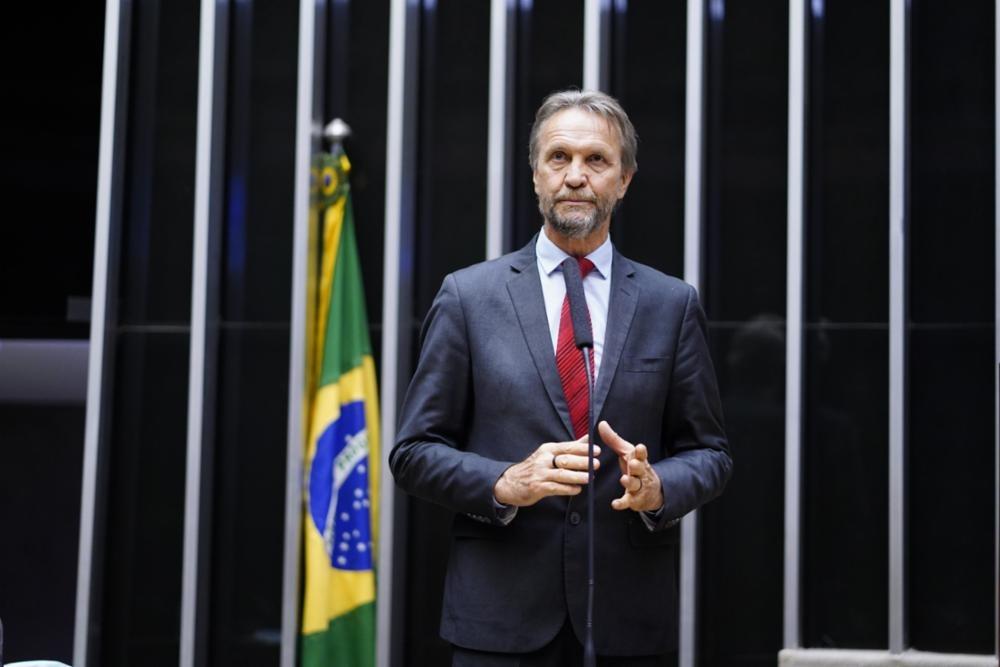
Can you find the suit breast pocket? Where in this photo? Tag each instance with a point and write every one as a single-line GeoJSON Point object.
{"type": "Point", "coordinates": [646, 364]}
{"type": "Point", "coordinates": [641, 387]}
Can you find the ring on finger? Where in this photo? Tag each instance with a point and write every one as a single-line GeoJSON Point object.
{"type": "Point", "coordinates": [554, 463]}
{"type": "Point", "coordinates": [640, 484]}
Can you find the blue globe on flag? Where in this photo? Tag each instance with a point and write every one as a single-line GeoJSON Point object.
{"type": "Point", "coordinates": [338, 490]}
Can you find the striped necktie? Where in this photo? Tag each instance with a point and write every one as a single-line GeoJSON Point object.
{"type": "Point", "coordinates": [569, 361]}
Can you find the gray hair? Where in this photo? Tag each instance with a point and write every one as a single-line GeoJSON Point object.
{"type": "Point", "coordinates": [591, 101]}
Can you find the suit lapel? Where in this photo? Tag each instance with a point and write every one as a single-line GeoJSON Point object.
{"type": "Point", "coordinates": [525, 291]}
{"type": "Point", "coordinates": [621, 311]}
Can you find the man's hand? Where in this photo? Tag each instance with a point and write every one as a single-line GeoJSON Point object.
{"type": "Point", "coordinates": [640, 481]}
{"type": "Point", "coordinates": [554, 469]}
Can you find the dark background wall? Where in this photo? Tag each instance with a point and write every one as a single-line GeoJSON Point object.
{"type": "Point", "coordinates": [48, 180]}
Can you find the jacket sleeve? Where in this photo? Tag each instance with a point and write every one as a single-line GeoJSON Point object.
{"type": "Point", "coordinates": [428, 459]}
{"type": "Point", "coordinates": [699, 463]}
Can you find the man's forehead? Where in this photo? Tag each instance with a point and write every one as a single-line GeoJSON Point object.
{"type": "Point", "coordinates": [575, 124]}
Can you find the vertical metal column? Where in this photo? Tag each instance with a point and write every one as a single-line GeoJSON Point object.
{"type": "Point", "coordinates": [501, 113]}
{"type": "Point", "coordinates": [397, 309]}
{"type": "Point", "coordinates": [596, 39]}
{"type": "Point", "coordinates": [109, 179]}
{"type": "Point", "coordinates": [305, 138]}
{"type": "Point", "coordinates": [996, 327]}
{"type": "Point", "coordinates": [208, 197]}
{"type": "Point", "coordinates": [898, 220]}
{"type": "Point", "coordinates": [793, 318]}
{"type": "Point", "coordinates": [694, 151]}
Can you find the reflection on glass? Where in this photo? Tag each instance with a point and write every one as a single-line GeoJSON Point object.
{"type": "Point", "coordinates": [742, 531]}
{"type": "Point", "coordinates": [845, 499]}
{"type": "Point", "coordinates": [744, 296]}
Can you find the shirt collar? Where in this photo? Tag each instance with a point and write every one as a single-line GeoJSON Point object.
{"type": "Point", "coordinates": [550, 256]}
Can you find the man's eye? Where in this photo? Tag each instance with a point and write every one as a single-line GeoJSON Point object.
{"type": "Point", "coordinates": [597, 158]}
{"type": "Point", "coordinates": [558, 155]}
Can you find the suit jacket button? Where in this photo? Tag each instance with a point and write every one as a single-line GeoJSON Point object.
{"type": "Point", "coordinates": [574, 518]}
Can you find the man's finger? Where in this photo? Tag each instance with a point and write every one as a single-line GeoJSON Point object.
{"type": "Point", "coordinates": [557, 489]}
{"type": "Point", "coordinates": [573, 462]}
{"type": "Point", "coordinates": [620, 445]}
{"type": "Point", "coordinates": [630, 483]}
{"type": "Point", "coordinates": [569, 477]}
{"type": "Point", "coordinates": [575, 447]}
{"type": "Point", "coordinates": [641, 453]}
{"type": "Point", "coordinates": [636, 467]}
{"type": "Point", "coordinates": [621, 503]}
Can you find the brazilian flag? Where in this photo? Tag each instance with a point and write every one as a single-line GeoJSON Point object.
{"type": "Point", "coordinates": [342, 454]}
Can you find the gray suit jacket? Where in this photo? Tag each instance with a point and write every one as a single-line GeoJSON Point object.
{"type": "Point", "coordinates": [486, 393]}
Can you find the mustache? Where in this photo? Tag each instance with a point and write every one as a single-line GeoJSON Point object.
{"type": "Point", "coordinates": [575, 196]}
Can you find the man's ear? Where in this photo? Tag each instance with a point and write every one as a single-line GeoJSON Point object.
{"type": "Point", "coordinates": [626, 181]}
{"type": "Point", "coordinates": [534, 180]}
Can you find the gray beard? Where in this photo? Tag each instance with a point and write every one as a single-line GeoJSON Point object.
{"type": "Point", "coordinates": [575, 227]}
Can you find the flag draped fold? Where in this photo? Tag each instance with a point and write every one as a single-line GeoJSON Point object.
{"type": "Point", "coordinates": [342, 451]}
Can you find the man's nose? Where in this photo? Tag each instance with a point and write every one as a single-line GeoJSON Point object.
{"type": "Point", "coordinates": [575, 175]}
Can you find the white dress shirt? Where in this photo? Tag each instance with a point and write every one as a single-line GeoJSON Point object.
{"type": "Point", "coordinates": [596, 288]}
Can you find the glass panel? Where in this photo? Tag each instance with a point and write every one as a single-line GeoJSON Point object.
{"type": "Point", "coordinates": [248, 495]}
{"type": "Point", "coordinates": [649, 225]}
{"type": "Point", "coordinates": [157, 228]}
{"type": "Point", "coordinates": [952, 230]}
{"type": "Point", "coordinates": [951, 331]}
{"type": "Point", "coordinates": [742, 532]}
{"type": "Point", "coordinates": [845, 401]}
{"type": "Point", "coordinates": [451, 176]}
{"type": "Point", "coordinates": [951, 499]}
{"type": "Point", "coordinates": [549, 57]}
{"type": "Point", "coordinates": [845, 501]}
{"type": "Point", "coordinates": [138, 612]}
{"type": "Point", "coordinates": [140, 624]}
{"type": "Point", "coordinates": [250, 404]}
{"type": "Point", "coordinates": [744, 297]}
{"type": "Point", "coordinates": [451, 234]}
{"type": "Point", "coordinates": [260, 129]}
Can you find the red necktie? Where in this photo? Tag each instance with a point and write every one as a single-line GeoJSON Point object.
{"type": "Point", "coordinates": [569, 361]}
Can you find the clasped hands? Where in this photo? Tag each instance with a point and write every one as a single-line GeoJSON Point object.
{"type": "Point", "coordinates": [560, 469]}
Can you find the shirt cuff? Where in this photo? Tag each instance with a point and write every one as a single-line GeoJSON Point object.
{"type": "Point", "coordinates": [505, 513]}
{"type": "Point", "coordinates": [652, 518]}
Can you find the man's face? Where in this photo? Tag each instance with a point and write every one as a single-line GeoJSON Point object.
{"type": "Point", "coordinates": [578, 175]}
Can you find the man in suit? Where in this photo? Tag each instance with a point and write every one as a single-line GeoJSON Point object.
{"type": "Point", "coordinates": [492, 428]}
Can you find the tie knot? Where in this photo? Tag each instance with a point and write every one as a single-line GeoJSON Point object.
{"type": "Point", "coordinates": [586, 266]}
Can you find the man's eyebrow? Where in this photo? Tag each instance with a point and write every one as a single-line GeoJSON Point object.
{"type": "Point", "coordinates": [586, 148]}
